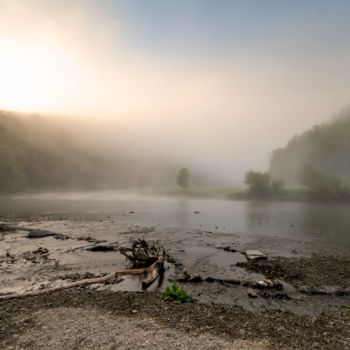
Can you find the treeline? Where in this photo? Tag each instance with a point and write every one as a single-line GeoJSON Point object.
{"type": "Point", "coordinates": [324, 148]}
{"type": "Point", "coordinates": [317, 162]}
{"type": "Point", "coordinates": [37, 154]}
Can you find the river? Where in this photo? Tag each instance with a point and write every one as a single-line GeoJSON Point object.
{"type": "Point", "coordinates": [320, 222]}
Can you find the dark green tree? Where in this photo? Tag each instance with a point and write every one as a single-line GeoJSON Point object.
{"type": "Point", "coordinates": [183, 178]}
{"type": "Point", "coordinates": [11, 176]}
{"type": "Point", "coordinates": [259, 183]}
{"type": "Point", "coordinates": [321, 186]}
{"type": "Point", "coordinates": [324, 147]}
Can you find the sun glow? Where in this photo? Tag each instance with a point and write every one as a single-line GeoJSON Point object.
{"type": "Point", "coordinates": [35, 75]}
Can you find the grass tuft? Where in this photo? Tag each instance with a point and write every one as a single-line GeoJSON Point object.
{"type": "Point", "coordinates": [177, 294]}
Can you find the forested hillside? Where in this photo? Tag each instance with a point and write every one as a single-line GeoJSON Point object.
{"type": "Point", "coordinates": [324, 148]}
{"type": "Point", "coordinates": [37, 154]}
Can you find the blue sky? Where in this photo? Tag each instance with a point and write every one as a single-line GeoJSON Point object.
{"type": "Point", "coordinates": [232, 26]}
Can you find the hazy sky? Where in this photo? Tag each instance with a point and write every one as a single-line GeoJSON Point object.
{"type": "Point", "coordinates": [216, 84]}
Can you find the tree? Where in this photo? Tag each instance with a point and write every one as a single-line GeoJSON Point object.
{"type": "Point", "coordinates": [322, 186]}
{"type": "Point", "coordinates": [324, 147]}
{"type": "Point", "coordinates": [182, 178]}
{"type": "Point", "coordinates": [11, 176]}
{"type": "Point", "coordinates": [259, 183]}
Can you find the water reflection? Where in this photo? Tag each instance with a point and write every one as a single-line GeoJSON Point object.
{"type": "Point", "coordinates": [182, 212]}
{"type": "Point", "coordinates": [328, 222]}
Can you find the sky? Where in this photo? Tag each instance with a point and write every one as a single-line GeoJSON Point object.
{"type": "Point", "coordinates": [216, 85]}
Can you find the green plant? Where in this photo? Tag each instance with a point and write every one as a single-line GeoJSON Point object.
{"type": "Point", "coordinates": [345, 308]}
{"type": "Point", "coordinates": [177, 294]}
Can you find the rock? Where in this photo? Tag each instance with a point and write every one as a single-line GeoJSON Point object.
{"type": "Point", "coordinates": [249, 284]}
{"type": "Point", "coordinates": [252, 293]}
{"type": "Point", "coordinates": [210, 279]}
{"type": "Point", "coordinates": [195, 278]}
{"type": "Point", "coordinates": [41, 251]}
{"type": "Point", "coordinates": [232, 281]}
{"type": "Point", "coordinates": [262, 284]}
{"type": "Point", "coordinates": [42, 234]}
{"type": "Point", "coordinates": [102, 248]}
{"type": "Point", "coordinates": [196, 212]}
{"type": "Point", "coordinates": [230, 249]}
{"type": "Point", "coordinates": [131, 212]}
{"type": "Point", "coordinates": [183, 276]}
{"type": "Point", "coordinates": [253, 254]}
{"type": "Point", "coordinates": [269, 283]}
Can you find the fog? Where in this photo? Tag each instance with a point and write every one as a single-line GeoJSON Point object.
{"type": "Point", "coordinates": [176, 83]}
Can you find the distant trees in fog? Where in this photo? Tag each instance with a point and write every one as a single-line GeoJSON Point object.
{"type": "Point", "coordinates": [262, 184]}
{"type": "Point", "coordinates": [324, 148]}
{"type": "Point", "coordinates": [11, 176]}
{"type": "Point", "coordinates": [37, 154]}
{"type": "Point", "coordinates": [183, 178]}
{"type": "Point", "coordinates": [321, 186]}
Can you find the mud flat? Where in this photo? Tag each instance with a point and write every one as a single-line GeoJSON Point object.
{"type": "Point", "coordinates": [309, 310]}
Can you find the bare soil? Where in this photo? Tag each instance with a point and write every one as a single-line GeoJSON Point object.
{"type": "Point", "coordinates": [87, 319]}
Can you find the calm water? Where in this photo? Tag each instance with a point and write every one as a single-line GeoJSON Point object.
{"type": "Point", "coordinates": [310, 221]}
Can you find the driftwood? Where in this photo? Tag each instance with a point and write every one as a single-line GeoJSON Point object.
{"type": "Point", "coordinates": [142, 253]}
{"type": "Point", "coordinates": [154, 268]}
{"type": "Point", "coordinates": [32, 232]}
{"type": "Point", "coordinates": [155, 273]}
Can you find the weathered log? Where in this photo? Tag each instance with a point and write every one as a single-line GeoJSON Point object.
{"type": "Point", "coordinates": [158, 266]}
{"type": "Point", "coordinates": [155, 266]}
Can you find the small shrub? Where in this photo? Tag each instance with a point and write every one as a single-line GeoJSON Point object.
{"type": "Point", "coordinates": [262, 184]}
{"type": "Point", "coordinates": [177, 294]}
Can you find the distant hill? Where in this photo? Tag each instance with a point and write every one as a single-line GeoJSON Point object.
{"type": "Point", "coordinates": [37, 154]}
{"type": "Point", "coordinates": [324, 147]}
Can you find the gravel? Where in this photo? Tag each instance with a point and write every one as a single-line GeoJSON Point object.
{"type": "Point", "coordinates": [88, 319]}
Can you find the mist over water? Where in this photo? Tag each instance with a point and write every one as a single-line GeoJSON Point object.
{"type": "Point", "coordinates": [309, 222]}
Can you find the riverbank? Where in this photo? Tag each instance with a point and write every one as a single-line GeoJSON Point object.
{"type": "Point", "coordinates": [310, 311]}
{"type": "Point", "coordinates": [231, 193]}
{"type": "Point", "coordinates": [217, 192]}
{"type": "Point", "coordinates": [297, 194]}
